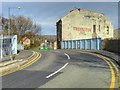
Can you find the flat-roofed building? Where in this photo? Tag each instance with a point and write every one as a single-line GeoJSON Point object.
{"type": "Point", "coordinates": [9, 45]}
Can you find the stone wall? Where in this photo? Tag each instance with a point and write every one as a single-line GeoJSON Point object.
{"type": "Point", "coordinates": [83, 24]}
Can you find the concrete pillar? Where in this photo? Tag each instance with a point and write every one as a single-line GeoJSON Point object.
{"type": "Point", "coordinates": [91, 46]}
{"type": "Point", "coordinates": [72, 44]}
{"type": "Point", "coordinates": [76, 44]}
{"type": "Point", "coordinates": [68, 44]}
{"type": "Point", "coordinates": [85, 44]}
{"type": "Point", "coordinates": [80, 44]}
{"type": "Point", "coordinates": [98, 43]}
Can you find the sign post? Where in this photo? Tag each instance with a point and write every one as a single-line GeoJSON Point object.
{"type": "Point", "coordinates": [1, 46]}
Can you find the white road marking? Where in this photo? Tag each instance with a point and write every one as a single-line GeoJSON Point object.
{"type": "Point", "coordinates": [57, 71]}
{"type": "Point", "coordinates": [67, 55]}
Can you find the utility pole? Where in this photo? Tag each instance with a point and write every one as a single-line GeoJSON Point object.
{"type": "Point", "coordinates": [1, 39]}
{"type": "Point", "coordinates": [1, 46]}
{"type": "Point", "coordinates": [9, 27]}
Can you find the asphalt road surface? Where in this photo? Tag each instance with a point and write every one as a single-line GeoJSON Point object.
{"type": "Point", "coordinates": [62, 69]}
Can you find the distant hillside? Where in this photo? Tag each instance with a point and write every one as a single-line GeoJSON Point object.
{"type": "Point", "coordinates": [117, 34]}
{"type": "Point", "coordinates": [53, 37]}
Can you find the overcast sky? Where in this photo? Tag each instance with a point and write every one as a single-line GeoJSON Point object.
{"type": "Point", "coordinates": [48, 13]}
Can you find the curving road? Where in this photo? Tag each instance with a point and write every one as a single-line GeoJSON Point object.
{"type": "Point", "coordinates": [64, 69]}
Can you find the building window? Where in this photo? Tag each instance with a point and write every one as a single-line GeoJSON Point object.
{"type": "Point", "coordinates": [99, 27]}
{"type": "Point", "coordinates": [87, 17]}
{"type": "Point", "coordinates": [94, 28]}
{"type": "Point", "coordinates": [107, 29]}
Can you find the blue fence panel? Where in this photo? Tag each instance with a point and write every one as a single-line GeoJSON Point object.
{"type": "Point", "coordinates": [69, 45]}
{"type": "Point", "coordinates": [74, 44]}
{"type": "Point", "coordinates": [65, 46]}
{"type": "Point", "coordinates": [78, 44]}
{"type": "Point", "coordinates": [94, 44]}
{"type": "Point", "coordinates": [88, 44]}
{"type": "Point", "coordinates": [84, 44]}
{"type": "Point", "coordinates": [62, 45]}
{"type": "Point", "coordinates": [100, 43]}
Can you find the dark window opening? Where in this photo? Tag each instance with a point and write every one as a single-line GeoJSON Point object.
{"type": "Point", "coordinates": [107, 29]}
{"type": "Point", "coordinates": [94, 28]}
{"type": "Point", "coordinates": [99, 27]}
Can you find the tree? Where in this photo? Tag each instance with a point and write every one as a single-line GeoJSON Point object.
{"type": "Point", "coordinates": [5, 25]}
{"type": "Point", "coordinates": [21, 25]}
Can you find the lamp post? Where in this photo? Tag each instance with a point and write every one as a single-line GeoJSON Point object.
{"type": "Point", "coordinates": [1, 44]}
{"type": "Point", "coordinates": [9, 27]}
{"type": "Point", "coordinates": [9, 9]}
{"type": "Point", "coordinates": [1, 39]}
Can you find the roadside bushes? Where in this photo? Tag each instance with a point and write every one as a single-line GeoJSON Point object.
{"type": "Point", "coordinates": [26, 47]}
{"type": "Point", "coordinates": [111, 45]}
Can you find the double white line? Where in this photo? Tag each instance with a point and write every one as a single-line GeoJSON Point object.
{"type": "Point", "coordinates": [60, 68]}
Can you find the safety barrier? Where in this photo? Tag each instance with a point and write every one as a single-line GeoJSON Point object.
{"type": "Point", "coordinates": [84, 44]}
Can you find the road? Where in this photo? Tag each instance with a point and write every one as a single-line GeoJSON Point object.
{"type": "Point", "coordinates": [64, 69]}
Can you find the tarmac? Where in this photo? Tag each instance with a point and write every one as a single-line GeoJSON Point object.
{"type": "Point", "coordinates": [24, 56]}
{"type": "Point", "coordinates": [112, 55]}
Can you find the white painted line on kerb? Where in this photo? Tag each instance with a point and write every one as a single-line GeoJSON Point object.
{"type": "Point", "coordinates": [67, 55]}
{"type": "Point", "coordinates": [57, 71]}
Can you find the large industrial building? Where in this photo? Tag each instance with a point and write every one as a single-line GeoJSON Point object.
{"type": "Point", "coordinates": [83, 25]}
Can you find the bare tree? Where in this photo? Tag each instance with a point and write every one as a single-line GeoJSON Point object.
{"type": "Point", "coordinates": [21, 26]}
{"type": "Point", "coordinates": [36, 29]}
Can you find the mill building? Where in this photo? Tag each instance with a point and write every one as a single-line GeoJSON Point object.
{"type": "Point", "coordinates": [83, 25]}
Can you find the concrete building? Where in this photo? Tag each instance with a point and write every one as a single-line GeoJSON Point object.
{"type": "Point", "coordinates": [9, 45]}
{"type": "Point", "coordinates": [82, 24]}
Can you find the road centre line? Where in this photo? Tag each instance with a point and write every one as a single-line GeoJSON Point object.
{"type": "Point", "coordinates": [67, 55]}
{"type": "Point", "coordinates": [57, 71]}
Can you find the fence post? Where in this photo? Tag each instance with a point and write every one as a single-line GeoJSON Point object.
{"type": "Point", "coordinates": [91, 44]}
{"type": "Point", "coordinates": [85, 44]}
{"type": "Point", "coordinates": [76, 44]}
{"type": "Point", "coordinates": [97, 42]}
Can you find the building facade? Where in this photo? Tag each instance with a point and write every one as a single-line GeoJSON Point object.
{"type": "Point", "coordinates": [82, 24]}
{"type": "Point", "coordinates": [8, 45]}
{"type": "Point", "coordinates": [26, 41]}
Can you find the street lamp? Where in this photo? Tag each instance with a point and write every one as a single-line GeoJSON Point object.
{"type": "Point", "coordinates": [9, 26]}
{"type": "Point", "coordinates": [1, 45]}
{"type": "Point", "coordinates": [1, 39]}
{"type": "Point", "coordinates": [9, 9]}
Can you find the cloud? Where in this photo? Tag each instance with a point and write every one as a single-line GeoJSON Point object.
{"type": "Point", "coordinates": [50, 21]}
{"type": "Point", "coordinates": [48, 25]}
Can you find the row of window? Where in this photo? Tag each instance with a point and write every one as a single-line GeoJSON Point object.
{"type": "Point", "coordinates": [6, 45]}
{"type": "Point", "coordinates": [94, 29]}
{"type": "Point", "coordinates": [6, 40]}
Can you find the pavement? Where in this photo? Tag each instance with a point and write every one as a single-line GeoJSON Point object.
{"type": "Point", "coordinates": [21, 55]}
{"type": "Point", "coordinates": [66, 69]}
{"type": "Point", "coordinates": [7, 65]}
{"type": "Point", "coordinates": [114, 56]}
